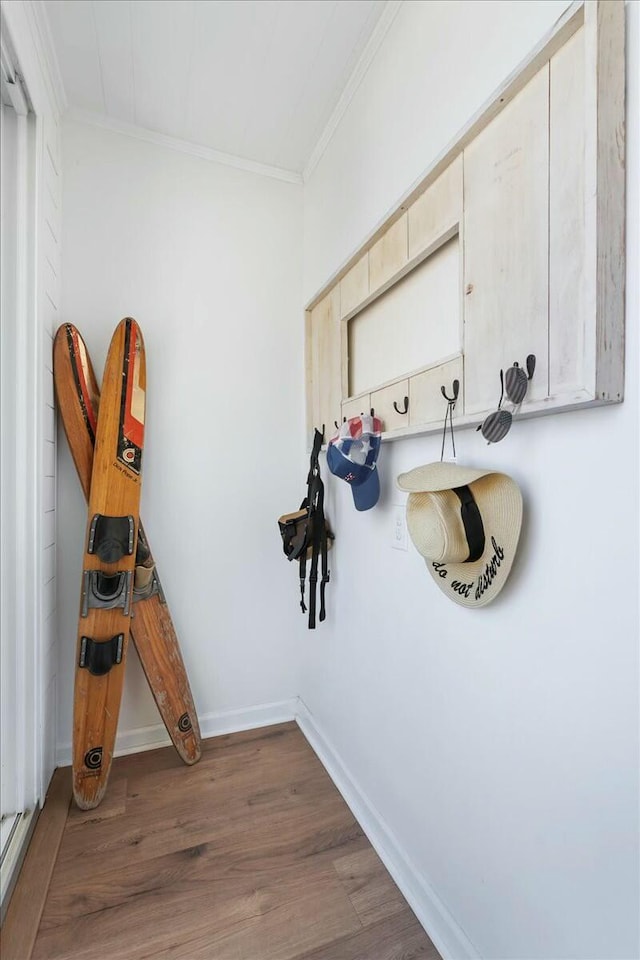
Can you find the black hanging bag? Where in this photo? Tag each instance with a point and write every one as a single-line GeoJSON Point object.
{"type": "Point", "coordinates": [306, 537]}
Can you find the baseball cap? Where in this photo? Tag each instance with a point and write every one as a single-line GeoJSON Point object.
{"type": "Point", "coordinates": [352, 455]}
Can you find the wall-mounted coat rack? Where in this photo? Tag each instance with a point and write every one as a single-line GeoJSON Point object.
{"type": "Point", "coordinates": [474, 279]}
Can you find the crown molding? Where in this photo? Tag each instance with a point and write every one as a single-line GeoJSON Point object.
{"type": "Point", "coordinates": [357, 76]}
{"type": "Point", "coordinates": [181, 146]}
{"type": "Point", "coordinates": [46, 51]}
{"type": "Point", "coordinates": [37, 13]}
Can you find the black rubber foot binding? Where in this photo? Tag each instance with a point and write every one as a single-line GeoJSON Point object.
{"type": "Point", "coordinates": [111, 537]}
{"type": "Point", "coordinates": [98, 656]}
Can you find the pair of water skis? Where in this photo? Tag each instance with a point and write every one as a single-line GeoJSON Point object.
{"type": "Point", "coordinates": [121, 595]}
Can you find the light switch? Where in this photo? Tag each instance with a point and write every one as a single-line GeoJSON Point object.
{"type": "Point", "coordinates": [399, 528]}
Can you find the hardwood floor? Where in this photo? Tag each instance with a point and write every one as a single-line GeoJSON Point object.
{"type": "Point", "coordinates": [251, 854]}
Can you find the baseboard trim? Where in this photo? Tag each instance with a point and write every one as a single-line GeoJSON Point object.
{"type": "Point", "coordinates": [211, 725]}
{"type": "Point", "coordinates": [248, 718]}
{"type": "Point", "coordinates": [446, 934]}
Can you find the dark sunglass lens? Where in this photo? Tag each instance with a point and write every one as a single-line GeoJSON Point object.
{"type": "Point", "coordinates": [515, 384]}
{"type": "Point", "coordinates": [497, 426]}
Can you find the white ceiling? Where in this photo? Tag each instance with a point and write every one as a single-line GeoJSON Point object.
{"type": "Point", "coordinates": [257, 79]}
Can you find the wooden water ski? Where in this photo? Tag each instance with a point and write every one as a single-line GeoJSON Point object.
{"type": "Point", "coordinates": [152, 629]}
{"type": "Point", "coordinates": [108, 564]}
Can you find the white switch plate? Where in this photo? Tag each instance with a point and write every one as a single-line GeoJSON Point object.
{"type": "Point", "coordinates": [399, 539]}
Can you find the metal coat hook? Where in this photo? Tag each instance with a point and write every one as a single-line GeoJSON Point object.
{"type": "Point", "coordinates": [406, 406]}
{"type": "Point", "coordinates": [344, 420]}
{"type": "Point", "coordinates": [455, 386]}
{"type": "Point", "coordinates": [451, 402]}
{"type": "Point", "coordinates": [531, 365]}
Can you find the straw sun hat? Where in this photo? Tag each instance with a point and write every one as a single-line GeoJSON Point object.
{"type": "Point", "coordinates": [466, 524]}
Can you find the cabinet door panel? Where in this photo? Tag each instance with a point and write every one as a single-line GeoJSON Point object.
{"type": "Point", "coordinates": [356, 406]}
{"type": "Point", "coordinates": [506, 229]}
{"type": "Point", "coordinates": [566, 228]}
{"type": "Point", "coordinates": [382, 402]}
{"type": "Point", "coordinates": [426, 403]}
{"type": "Point", "coordinates": [326, 361]}
{"type": "Point", "coordinates": [389, 254]}
{"type": "Point", "coordinates": [437, 211]}
{"type": "Point", "coordinates": [354, 287]}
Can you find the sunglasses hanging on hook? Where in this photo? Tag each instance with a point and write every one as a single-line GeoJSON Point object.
{"type": "Point", "coordinates": [514, 383]}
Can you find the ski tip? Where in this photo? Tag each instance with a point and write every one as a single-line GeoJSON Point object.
{"type": "Point", "coordinates": [62, 330]}
{"type": "Point", "coordinates": [88, 799]}
{"type": "Point", "coordinates": [133, 325]}
{"type": "Point", "coordinates": [189, 753]}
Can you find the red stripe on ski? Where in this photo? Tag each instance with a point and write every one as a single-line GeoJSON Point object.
{"type": "Point", "coordinates": [80, 358]}
{"type": "Point", "coordinates": [133, 426]}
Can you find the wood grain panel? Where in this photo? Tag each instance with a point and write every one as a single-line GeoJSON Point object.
{"type": "Point", "coordinates": [354, 287]}
{"type": "Point", "coordinates": [113, 805]}
{"type": "Point", "coordinates": [270, 915]}
{"type": "Point", "coordinates": [382, 402]}
{"type": "Point", "coordinates": [389, 254]}
{"type": "Point", "coordinates": [426, 403]}
{"type": "Point", "coordinates": [213, 797]}
{"type": "Point", "coordinates": [566, 217]}
{"type": "Point", "coordinates": [252, 853]}
{"type": "Point", "coordinates": [439, 208]}
{"type": "Point", "coordinates": [326, 361]}
{"type": "Point", "coordinates": [357, 405]}
{"type": "Point", "coordinates": [372, 892]}
{"type": "Point", "coordinates": [506, 223]}
{"type": "Point", "coordinates": [398, 938]}
{"type": "Point", "coordinates": [605, 188]}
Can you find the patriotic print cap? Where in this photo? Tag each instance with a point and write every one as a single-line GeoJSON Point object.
{"type": "Point", "coordinates": [352, 455]}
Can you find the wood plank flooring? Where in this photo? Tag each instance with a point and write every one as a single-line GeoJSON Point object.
{"type": "Point", "coordinates": [251, 854]}
{"type": "Point", "coordinates": [27, 903]}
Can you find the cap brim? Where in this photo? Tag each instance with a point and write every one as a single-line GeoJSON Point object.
{"type": "Point", "coordinates": [500, 504]}
{"type": "Point", "coordinates": [439, 476]}
{"type": "Point", "coordinates": [366, 495]}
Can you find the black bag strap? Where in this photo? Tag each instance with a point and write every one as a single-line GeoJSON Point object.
{"type": "Point", "coordinates": [315, 496]}
{"type": "Point", "coordinates": [314, 464]}
{"type": "Point", "coordinates": [314, 503]}
{"type": "Point", "coordinates": [303, 566]}
{"type": "Point", "coordinates": [316, 539]}
{"type": "Point", "coordinates": [323, 553]}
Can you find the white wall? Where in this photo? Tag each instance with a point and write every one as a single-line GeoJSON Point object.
{"type": "Point", "coordinates": [208, 259]}
{"type": "Point", "coordinates": [499, 747]}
